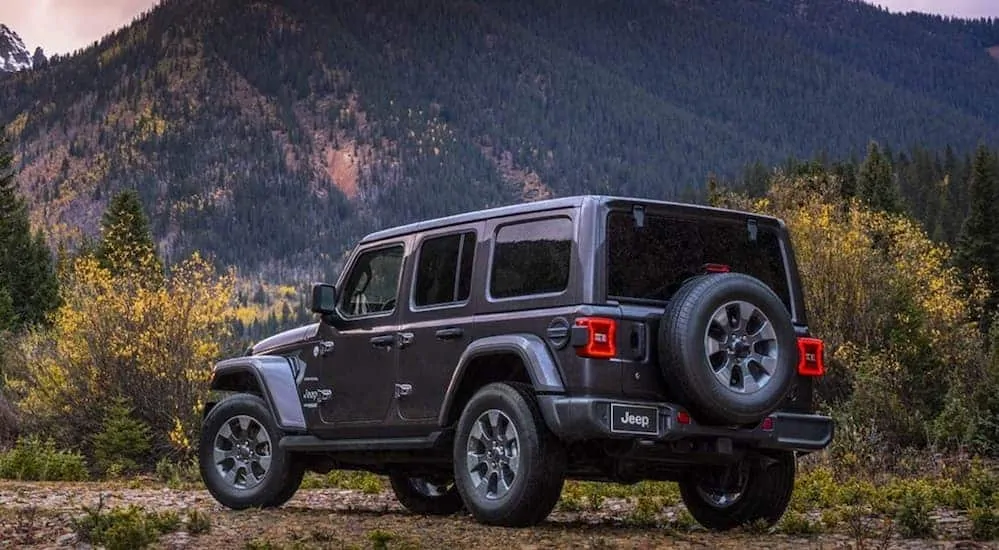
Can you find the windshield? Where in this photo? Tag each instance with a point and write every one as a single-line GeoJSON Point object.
{"type": "Point", "coordinates": [651, 262]}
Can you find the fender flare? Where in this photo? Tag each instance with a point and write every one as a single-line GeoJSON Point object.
{"type": "Point", "coordinates": [275, 376]}
{"type": "Point", "coordinates": [532, 350]}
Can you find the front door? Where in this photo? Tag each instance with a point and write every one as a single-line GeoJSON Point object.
{"type": "Point", "coordinates": [439, 316]}
{"type": "Point", "coordinates": [360, 370]}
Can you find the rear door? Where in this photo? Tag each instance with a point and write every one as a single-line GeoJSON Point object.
{"type": "Point", "coordinates": [438, 318]}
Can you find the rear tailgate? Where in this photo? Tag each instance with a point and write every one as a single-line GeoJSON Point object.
{"type": "Point", "coordinates": [650, 253]}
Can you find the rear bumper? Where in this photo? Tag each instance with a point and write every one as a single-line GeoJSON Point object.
{"type": "Point", "coordinates": [587, 418]}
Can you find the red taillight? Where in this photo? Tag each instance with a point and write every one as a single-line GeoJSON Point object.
{"type": "Point", "coordinates": [716, 268]}
{"type": "Point", "coordinates": [600, 341]}
{"type": "Point", "coordinates": [768, 424]}
{"type": "Point", "coordinates": [683, 417]}
{"type": "Point", "coordinates": [810, 361]}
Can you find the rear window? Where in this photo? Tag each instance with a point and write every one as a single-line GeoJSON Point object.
{"type": "Point", "coordinates": [650, 263]}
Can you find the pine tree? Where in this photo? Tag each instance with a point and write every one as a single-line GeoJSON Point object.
{"type": "Point", "coordinates": [943, 212]}
{"type": "Point", "coordinates": [27, 275]}
{"type": "Point", "coordinates": [876, 185]}
{"type": "Point", "coordinates": [978, 245]}
{"type": "Point", "coordinates": [8, 317]}
{"type": "Point", "coordinates": [126, 246]}
{"type": "Point", "coordinates": [846, 172]}
{"type": "Point", "coordinates": [756, 179]}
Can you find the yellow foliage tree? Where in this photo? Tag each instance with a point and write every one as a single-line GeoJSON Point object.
{"type": "Point", "coordinates": [884, 297]}
{"type": "Point", "coordinates": [116, 336]}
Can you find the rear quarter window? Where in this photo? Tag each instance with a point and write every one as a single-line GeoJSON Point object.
{"type": "Point", "coordinates": [531, 258]}
{"type": "Point", "coordinates": [652, 262]}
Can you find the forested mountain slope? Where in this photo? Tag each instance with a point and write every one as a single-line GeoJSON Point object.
{"type": "Point", "coordinates": [272, 133]}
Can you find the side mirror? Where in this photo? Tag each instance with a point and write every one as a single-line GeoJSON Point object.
{"type": "Point", "coordinates": [323, 299]}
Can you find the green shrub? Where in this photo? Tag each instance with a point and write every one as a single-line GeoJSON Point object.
{"type": "Point", "coordinates": [165, 522]}
{"type": "Point", "coordinates": [178, 474]}
{"type": "Point", "coordinates": [832, 517]}
{"type": "Point", "coordinates": [646, 512]}
{"type": "Point", "coordinates": [380, 539]}
{"type": "Point", "coordinates": [572, 498]}
{"type": "Point", "coordinates": [913, 516]}
{"type": "Point", "coordinates": [198, 522]}
{"type": "Point", "coordinates": [123, 442]}
{"type": "Point", "coordinates": [366, 482]}
{"type": "Point", "coordinates": [984, 523]}
{"type": "Point", "coordinates": [9, 422]}
{"type": "Point", "coordinates": [796, 523]}
{"type": "Point", "coordinates": [260, 544]}
{"type": "Point", "coordinates": [123, 528]}
{"type": "Point", "coordinates": [32, 459]}
{"type": "Point", "coordinates": [983, 484]}
{"type": "Point", "coordinates": [594, 501]}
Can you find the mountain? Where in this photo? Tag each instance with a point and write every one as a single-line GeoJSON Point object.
{"type": "Point", "coordinates": [271, 134]}
{"type": "Point", "coordinates": [13, 55]}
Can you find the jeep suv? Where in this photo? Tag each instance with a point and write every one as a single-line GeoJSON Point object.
{"type": "Point", "coordinates": [479, 360]}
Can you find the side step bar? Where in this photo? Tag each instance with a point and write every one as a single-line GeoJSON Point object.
{"type": "Point", "coordinates": [314, 444]}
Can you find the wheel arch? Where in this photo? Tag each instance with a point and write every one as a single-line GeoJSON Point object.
{"type": "Point", "coordinates": [506, 358]}
{"type": "Point", "coordinates": [270, 377]}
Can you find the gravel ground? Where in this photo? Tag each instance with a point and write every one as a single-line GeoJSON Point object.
{"type": "Point", "coordinates": [39, 515]}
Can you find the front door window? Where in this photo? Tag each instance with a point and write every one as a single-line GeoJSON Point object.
{"type": "Point", "coordinates": [373, 284]}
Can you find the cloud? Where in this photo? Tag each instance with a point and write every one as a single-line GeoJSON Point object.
{"type": "Point", "coordinates": [960, 8]}
{"type": "Point", "coordinates": [62, 26]}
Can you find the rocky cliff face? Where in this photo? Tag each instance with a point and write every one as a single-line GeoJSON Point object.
{"type": "Point", "coordinates": [14, 55]}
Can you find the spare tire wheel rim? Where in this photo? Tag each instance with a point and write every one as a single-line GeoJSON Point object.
{"type": "Point", "coordinates": [493, 455]}
{"type": "Point", "coordinates": [741, 347]}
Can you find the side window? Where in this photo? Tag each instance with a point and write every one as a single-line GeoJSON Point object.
{"type": "Point", "coordinates": [444, 270]}
{"type": "Point", "coordinates": [373, 283]}
{"type": "Point", "coordinates": [531, 258]}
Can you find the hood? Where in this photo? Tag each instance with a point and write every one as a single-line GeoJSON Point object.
{"type": "Point", "coordinates": [285, 339]}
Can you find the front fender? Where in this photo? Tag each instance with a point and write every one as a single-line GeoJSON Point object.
{"type": "Point", "coordinates": [531, 349]}
{"type": "Point", "coordinates": [274, 377]}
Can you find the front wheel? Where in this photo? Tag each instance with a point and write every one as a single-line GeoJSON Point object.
{"type": "Point", "coordinates": [239, 457]}
{"type": "Point", "coordinates": [756, 489]}
{"type": "Point", "coordinates": [509, 468]}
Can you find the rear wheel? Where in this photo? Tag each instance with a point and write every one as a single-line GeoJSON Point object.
{"type": "Point", "coordinates": [426, 495]}
{"type": "Point", "coordinates": [756, 489]}
{"type": "Point", "coordinates": [509, 468]}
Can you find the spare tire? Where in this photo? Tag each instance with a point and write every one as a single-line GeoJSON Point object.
{"type": "Point", "coordinates": [727, 348]}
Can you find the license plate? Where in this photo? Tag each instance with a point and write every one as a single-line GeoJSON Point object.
{"type": "Point", "coordinates": [633, 419]}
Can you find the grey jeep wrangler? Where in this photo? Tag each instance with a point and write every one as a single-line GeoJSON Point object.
{"type": "Point", "coordinates": [479, 360]}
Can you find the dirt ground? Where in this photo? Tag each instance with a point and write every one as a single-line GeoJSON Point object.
{"type": "Point", "coordinates": [39, 515]}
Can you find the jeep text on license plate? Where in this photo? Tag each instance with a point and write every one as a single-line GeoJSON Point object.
{"type": "Point", "coordinates": [631, 419]}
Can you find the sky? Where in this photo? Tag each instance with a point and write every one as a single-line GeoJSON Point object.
{"type": "Point", "coordinates": [62, 26]}
{"type": "Point", "coordinates": [961, 8]}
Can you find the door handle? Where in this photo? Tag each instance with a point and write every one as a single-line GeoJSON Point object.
{"type": "Point", "coordinates": [449, 333]}
{"type": "Point", "coordinates": [385, 341]}
{"type": "Point", "coordinates": [405, 339]}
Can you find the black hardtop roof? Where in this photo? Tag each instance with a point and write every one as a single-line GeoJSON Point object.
{"type": "Point", "coordinates": [541, 206]}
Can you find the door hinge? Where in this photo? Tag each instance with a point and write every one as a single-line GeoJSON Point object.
{"type": "Point", "coordinates": [402, 390]}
